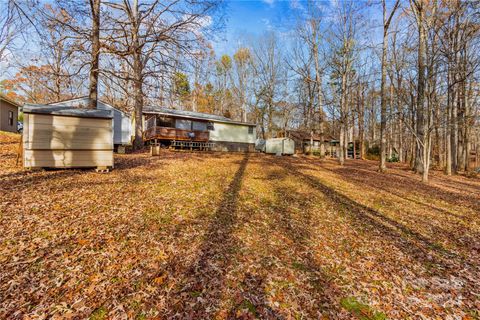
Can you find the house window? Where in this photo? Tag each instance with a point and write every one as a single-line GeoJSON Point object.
{"type": "Point", "coordinates": [10, 118]}
{"type": "Point", "coordinates": [210, 126]}
{"type": "Point", "coordinates": [165, 122]}
{"type": "Point", "coordinates": [250, 130]}
{"type": "Point", "coordinates": [199, 126]}
{"type": "Point", "coordinates": [183, 124]}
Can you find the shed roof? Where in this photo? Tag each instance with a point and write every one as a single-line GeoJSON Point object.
{"type": "Point", "coordinates": [85, 99]}
{"type": "Point", "coordinates": [191, 115]}
{"type": "Point", "coordinates": [67, 111]}
{"type": "Point", "coordinates": [4, 98]}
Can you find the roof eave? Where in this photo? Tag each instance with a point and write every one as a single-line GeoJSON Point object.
{"type": "Point", "coordinates": [86, 97]}
{"type": "Point", "coordinates": [199, 118]}
{"type": "Point", "coordinates": [10, 101]}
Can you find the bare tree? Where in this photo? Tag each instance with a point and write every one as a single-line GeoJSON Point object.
{"type": "Point", "coordinates": [387, 18]}
{"type": "Point", "coordinates": [95, 54]}
{"type": "Point", "coordinates": [150, 36]}
{"type": "Point", "coordinates": [344, 46]}
{"type": "Point", "coordinates": [8, 28]}
{"type": "Point", "coordinates": [310, 31]}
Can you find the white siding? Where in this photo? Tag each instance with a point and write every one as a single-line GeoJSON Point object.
{"type": "Point", "coordinates": [230, 132]}
{"type": "Point", "coordinates": [280, 146]}
{"type": "Point", "coordinates": [63, 142]}
{"type": "Point", "coordinates": [122, 125]}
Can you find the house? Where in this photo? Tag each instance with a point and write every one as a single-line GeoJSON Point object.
{"type": "Point", "coordinates": [67, 137]}
{"type": "Point", "coordinates": [122, 124]}
{"type": "Point", "coordinates": [175, 128]}
{"type": "Point", "coordinates": [303, 140]}
{"type": "Point", "coordinates": [8, 114]}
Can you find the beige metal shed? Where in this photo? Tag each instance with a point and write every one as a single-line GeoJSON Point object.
{"type": "Point", "coordinates": [66, 137]}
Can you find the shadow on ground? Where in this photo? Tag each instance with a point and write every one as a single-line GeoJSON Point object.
{"type": "Point", "coordinates": [202, 283]}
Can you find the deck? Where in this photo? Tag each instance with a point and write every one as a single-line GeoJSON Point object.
{"type": "Point", "coordinates": [165, 133]}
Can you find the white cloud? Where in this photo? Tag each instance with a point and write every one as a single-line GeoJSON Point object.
{"type": "Point", "coordinates": [198, 24]}
{"type": "Point", "coordinates": [269, 2]}
{"type": "Point", "coordinates": [267, 23]}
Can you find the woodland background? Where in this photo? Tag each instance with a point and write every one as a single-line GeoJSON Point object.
{"type": "Point", "coordinates": [399, 77]}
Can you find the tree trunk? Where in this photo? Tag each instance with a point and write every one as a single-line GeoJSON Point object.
{"type": "Point", "coordinates": [138, 87]}
{"type": "Point", "coordinates": [138, 80]}
{"type": "Point", "coordinates": [361, 122]}
{"type": "Point", "coordinates": [421, 123]}
{"type": "Point", "coordinates": [454, 135]}
{"type": "Point", "coordinates": [383, 102]}
{"type": "Point", "coordinates": [448, 129]}
{"type": "Point", "coordinates": [93, 87]}
{"type": "Point", "coordinates": [318, 80]}
{"type": "Point", "coordinates": [341, 157]}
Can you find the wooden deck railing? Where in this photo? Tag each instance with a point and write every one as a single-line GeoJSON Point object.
{"type": "Point", "coordinates": [164, 133]}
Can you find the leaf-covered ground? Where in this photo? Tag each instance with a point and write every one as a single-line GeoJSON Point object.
{"type": "Point", "coordinates": [221, 236]}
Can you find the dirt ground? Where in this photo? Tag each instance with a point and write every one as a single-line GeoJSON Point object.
{"type": "Point", "coordinates": [221, 236]}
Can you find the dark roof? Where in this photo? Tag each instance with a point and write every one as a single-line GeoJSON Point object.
{"type": "Point", "coordinates": [64, 102]}
{"type": "Point", "coordinates": [67, 111]}
{"type": "Point", "coordinates": [191, 115]}
{"type": "Point", "coordinates": [4, 98]}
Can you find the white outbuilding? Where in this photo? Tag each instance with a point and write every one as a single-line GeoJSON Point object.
{"type": "Point", "coordinates": [64, 137]}
{"type": "Point", "coordinates": [280, 146]}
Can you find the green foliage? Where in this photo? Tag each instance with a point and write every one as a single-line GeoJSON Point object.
{"type": "Point", "coordinates": [393, 158]}
{"type": "Point", "coordinates": [360, 310]}
{"type": "Point", "coordinates": [373, 153]}
{"type": "Point", "coordinates": [317, 153]}
{"type": "Point", "coordinates": [182, 86]}
{"type": "Point", "coordinates": [20, 116]}
{"type": "Point", "coordinates": [374, 150]}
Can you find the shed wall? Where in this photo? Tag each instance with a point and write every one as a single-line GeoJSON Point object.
{"type": "Point", "coordinates": [122, 124]}
{"type": "Point", "coordinates": [280, 146]}
{"type": "Point", "coordinates": [63, 141]}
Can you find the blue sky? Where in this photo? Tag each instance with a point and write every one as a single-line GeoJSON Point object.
{"type": "Point", "coordinates": [247, 18]}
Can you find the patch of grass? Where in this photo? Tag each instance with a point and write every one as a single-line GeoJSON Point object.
{"type": "Point", "coordinates": [299, 266]}
{"type": "Point", "coordinates": [195, 294]}
{"type": "Point", "coordinates": [154, 215]}
{"type": "Point", "coordinates": [475, 314]}
{"type": "Point", "coordinates": [360, 310]}
{"type": "Point", "coordinates": [249, 306]}
{"type": "Point", "coordinates": [141, 316]}
{"type": "Point", "coordinates": [99, 314]}
{"type": "Point", "coordinates": [115, 280]}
